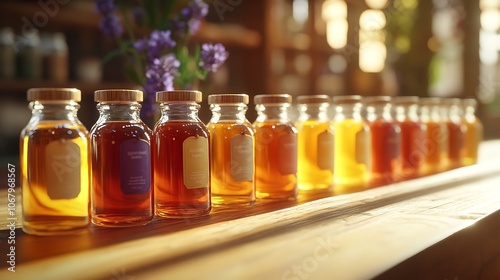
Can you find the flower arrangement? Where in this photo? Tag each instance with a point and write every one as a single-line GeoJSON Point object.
{"type": "Point", "coordinates": [156, 43]}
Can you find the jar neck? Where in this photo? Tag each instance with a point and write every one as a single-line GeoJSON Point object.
{"type": "Point", "coordinates": [407, 112]}
{"type": "Point", "coordinates": [430, 113]}
{"type": "Point", "coordinates": [119, 111]}
{"type": "Point", "coordinates": [348, 111]}
{"type": "Point", "coordinates": [179, 111]}
{"type": "Point", "coordinates": [55, 110]}
{"type": "Point", "coordinates": [379, 112]}
{"type": "Point", "coordinates": [313, 112]}
{"type": "Point", "coordinates": [228, 112]}
{"type": "Point", "coordinates": [469, 113]}
{"type": "Point", "coordinates": [273, 112]}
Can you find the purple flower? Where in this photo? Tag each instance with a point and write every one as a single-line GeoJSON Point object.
{"type": "Point", "coordinates": [192, 14]}
{"type": "Point", "coordinates": [194, 25]}
{"type": "Point", "coordinates": [212, 56]}
{"type": "Point", "coordinates": [141, 45]}
{"type": "Point", "coordinates": [158, 42]}
{"type": "Point", "coordinates": [159, 76]}
{"type": "Point", "coordinates": [110, 25]}
{"type": "Point", "coordinates": [105, 6]}
{"type": "Point", "coordinates": [198, 9]}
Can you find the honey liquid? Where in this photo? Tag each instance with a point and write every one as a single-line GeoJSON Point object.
{"type": "Point", "coordinates": [385, 153]}
{"type": "Point", "coordinates": [117, 198]}
{"type": "Point", "coordinates": [472, 139]}
{"type": "Point", "coordinates": [351, 156]}
{"type": "Point", "coordinates": [436, 158]}
{"type": "Point", "coordinates": [412, 149]}
{"type": "Point", "coordinates": [456, 148]}
{"type": "Point", "coordinates": [275, 160]}
{"type": "Point", "coordinates": [315, 156]}
{"type": "Point", "coordinates": [55, 178]}
{"type": "Point", "coordinates": [232, 163]}
{"type": "Point", "coordinates": [174, 197]}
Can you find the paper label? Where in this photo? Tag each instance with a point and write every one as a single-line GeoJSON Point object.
{"type": "Point", "coordinates": [62, 163]}
{"type": "Point", "coordinates": [135, 166]}
{"type": "Point", "coordinates": [362, 147]}
{"type": "Point", "coordinates": [325, 150]}
{"type": "Point", "coordinates": [287, 154]}
{"type": "Point", "coordinates": [242, 158]}
{"type": "Point", "coordinates": [195, 162]}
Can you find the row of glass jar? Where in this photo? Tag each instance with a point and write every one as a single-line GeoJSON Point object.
{"type": "Point", "coordinates": [182, 167]}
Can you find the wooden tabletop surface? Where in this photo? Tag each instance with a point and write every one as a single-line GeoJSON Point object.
{"type": "Point", "coordinates": [356, 236]}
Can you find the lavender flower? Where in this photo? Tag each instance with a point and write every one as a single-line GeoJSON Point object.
{"type": "Point", "coordinates": [105, 6]}
{"type": "Point", "coordinates": [110, 25]}
{"type": "Point", "coordinates": [141, 45]}
{"type": "Point", "coordinates": [192, 14]}
{"type": "Point", "coordinates": [194, 25]}
{"type": "Point", "coordinates": [198, 9]}
{"type": "Point", "coordinates": [212, 56]}
{"type": "Point", "coordinates": [158, 42]}
{"type": "Point", "coordinates": [160, 76]}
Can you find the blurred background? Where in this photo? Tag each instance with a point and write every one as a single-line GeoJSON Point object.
{"type": "Point", "coordinates": [369, 47]}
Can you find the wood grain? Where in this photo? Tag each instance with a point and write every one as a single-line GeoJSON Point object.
{"type": "Point", "coordinates": [353, 236]}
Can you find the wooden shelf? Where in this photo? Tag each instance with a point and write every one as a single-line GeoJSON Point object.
{"type": "Point", "coordinates": [374, 230]}
{"type": "Point", "coordinates": [83, 14]}
{"type": "Point", "coordinates": [228, 34]}
{"type": "Point", "coordinates": [80, 13]}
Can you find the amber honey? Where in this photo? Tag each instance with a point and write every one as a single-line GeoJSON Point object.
{"type": "Point", "coordinates": [315, 144]}
{"type": "Point", "coordinates": [275, 148]}
{"type": "Point", "coordinates": [121, 193]}
{"type": "Point", "coordinates": [275, 160]}
{"type": "Point", "coordinates": [181, 157]}
{"type": "Point", "coordinates": [412, 150]}
{"type": "Point", "coordinates": [232, 158]}
{"type": "Point", "coordinates": [385, 160]}
{"type": "Point", "coordinates": [474, 133]}
{"type": "Point", "coordinates": [54, 165]}
{"type": "Point", "coordinates": [352, 146]}
{"type": "Point", "coordinates": [436, 138]}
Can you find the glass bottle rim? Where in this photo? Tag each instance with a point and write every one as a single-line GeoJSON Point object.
{"type": "Point", "coordinates": [228, 98]}
{"type": "Point", "coordinates": [313, 99]}
{"type": "Point", "coordinates": [469, 102]}
{"type": "Point", "coordinates": [54, 94]}
{"type": "Point", "coordinates": [405, 100]}
{"type": "Point", "coordinates": [346, 99]}
{"type": "Point", "coordinates": [272, 99]}
{"type": "Point", "coordinates": [179, 96]}
{"type": "Point", "coordinates": [118, 95]}
{"type": "Point", "coordinates": [430, 101]}
{"type": "Point", "coordinates": [377, 100]}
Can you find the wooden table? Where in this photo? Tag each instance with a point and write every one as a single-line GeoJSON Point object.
{"type": "Point", "coordinates": [445, 226]}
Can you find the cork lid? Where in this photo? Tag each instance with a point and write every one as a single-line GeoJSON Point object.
{"type": "Point", "coordinates": [379, 99]}
{"type": "Point", "coordinates": [228, 98]}
{"type": "Point", "coordinates": [118, 95]}
{"type": "Point", "coordinates": [313, 99]}
{"type": "Point", "coordinates": [272, 98]}
{"type": "Point", "coordinates": [346, 99]}
{"type": "Point", "coordinates": [405, 100]}
{"type": "Point", "coordinates": [179, 96]}
{"type": "Point", "coordinates": [54, 94]}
